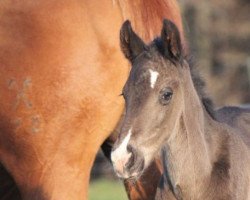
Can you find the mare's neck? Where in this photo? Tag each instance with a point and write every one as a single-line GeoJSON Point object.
{"type": "Point", "coordinates": [190, 151]}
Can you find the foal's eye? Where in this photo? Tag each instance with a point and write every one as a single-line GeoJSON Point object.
{"type": "Point", "coordinates": [165, 96]}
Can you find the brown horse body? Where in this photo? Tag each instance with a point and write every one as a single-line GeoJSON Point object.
{"type": "Point", "coordinates": [205, 153]}
{"type": "Point", "coordinates": [61, 76]}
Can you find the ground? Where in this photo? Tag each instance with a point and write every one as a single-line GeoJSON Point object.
{"type": "Point", "coordinates": [105, 189]}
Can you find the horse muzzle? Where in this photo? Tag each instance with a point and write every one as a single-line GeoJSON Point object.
{"type": "Point", "coordinates": [127, 164]}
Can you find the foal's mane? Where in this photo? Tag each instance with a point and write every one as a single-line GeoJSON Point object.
{"type": "Point", "coordinates": [200, 86]}
{"type": "Point", "coordinates": [198, 81]}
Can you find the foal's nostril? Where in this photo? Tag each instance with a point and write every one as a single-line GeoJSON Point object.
{"type": "Point", "coordinates": [131, 160]}
{"type": "Point", "coordinates": [136, 161]}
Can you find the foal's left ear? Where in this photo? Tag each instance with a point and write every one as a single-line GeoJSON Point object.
{"type": "Point", "coordinates": [131, 44]}
{"type": "Point", "coordinates": [171, 40]}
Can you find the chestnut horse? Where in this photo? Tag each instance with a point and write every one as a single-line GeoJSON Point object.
{"type": "Point", "coordinates": [61, 75]}
{"type": "Point", "coordinates": [205, 153]}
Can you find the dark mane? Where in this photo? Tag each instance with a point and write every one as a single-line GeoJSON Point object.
{"type": "Point", "coordinates": [200, 86]}
{"type": "Point", "coordinates": [198, 81]}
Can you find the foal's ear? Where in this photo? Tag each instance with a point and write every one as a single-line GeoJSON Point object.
{"type": "Point", "coordinates": [131, 44]}
{"type": "Point", "coordinates": [171, 40]}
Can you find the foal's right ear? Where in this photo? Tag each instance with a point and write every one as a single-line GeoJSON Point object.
{"type": "Point", "coordinates": [171, 40]}
{"type": "Point", "coordinates": [131, 44]}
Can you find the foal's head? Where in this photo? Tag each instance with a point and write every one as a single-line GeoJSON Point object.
{"type": "Point", "coordinates": [153, 97]}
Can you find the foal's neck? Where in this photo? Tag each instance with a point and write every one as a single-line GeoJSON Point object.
{"type": "Point", "coordinates": [190, 151]}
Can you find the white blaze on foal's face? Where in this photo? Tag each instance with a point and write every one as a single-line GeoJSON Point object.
{"type": "Point", "coordinates": [121, 155]}
{"type": "Point", "coordinates": [153, 77]}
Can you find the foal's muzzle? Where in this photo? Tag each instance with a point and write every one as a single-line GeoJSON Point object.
{"type": "Point", "coordinates": [127, 164]}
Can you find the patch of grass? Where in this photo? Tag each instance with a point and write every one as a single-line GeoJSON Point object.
{"type": "Point", "coordinates": [103, 189]}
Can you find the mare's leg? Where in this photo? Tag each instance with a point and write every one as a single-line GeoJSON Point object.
{"type": "Point", "coordinates": [146, 186]}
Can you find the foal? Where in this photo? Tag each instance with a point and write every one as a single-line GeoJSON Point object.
{"type": "Point", "coordinates": [205, 153]}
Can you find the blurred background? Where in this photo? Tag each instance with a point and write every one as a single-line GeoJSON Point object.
{"type": "Point", "coordinates": [218, 33]}
{"type": "Point", "coordinates": [219, 38]}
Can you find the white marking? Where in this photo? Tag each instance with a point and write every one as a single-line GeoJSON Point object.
{"type": "Point", "coordinates": [121, 151]}
{"type": "Point", "coordinates": [153, 77]}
